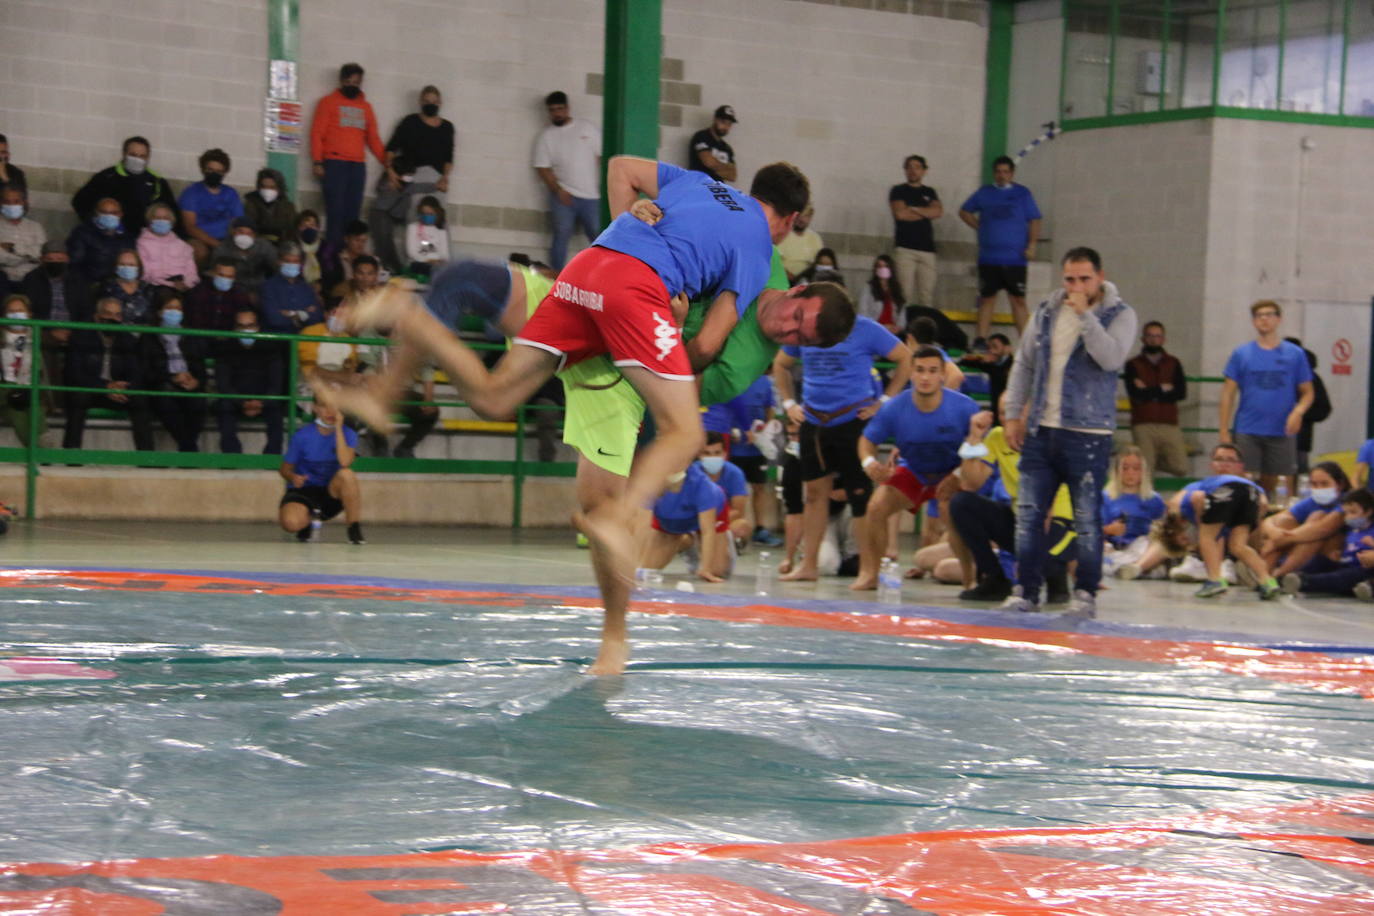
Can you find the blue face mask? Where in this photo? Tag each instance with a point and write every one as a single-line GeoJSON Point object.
{"type": "Point", "coordinates": [1357, 522]}
{"type": "Point", "coordinates": [126, 271]}
{"type": "Point", "coordinates": [161, 226]}
{"type": "Point", "coordinates": [224, 284]}
{"type": "Point", "coordinates": [247, 341]}
{"type": "Point", "coordinates": [12, 211]}
{"type": "Point", "coordinates": [290, 271]}
{"type": "Point", "coordinates": [429, 219]}
{"type": "Point", "coordinates": [712, 464]}
{"type": "Point", "coordinates": [107, 221]}
{"type": "Point", "coordinates": [171, 318]}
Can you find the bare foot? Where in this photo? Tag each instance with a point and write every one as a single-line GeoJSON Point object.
{"type": "Point", "coordinates": [356, 401]}
{"type": "Point", "coordinates": [800, 574]}
{"type": "Point", "coordinates": [866, 584]}
{"type": "Point", "coordinates": [785, 566]}
{"type": "Point", "coordinates": [611, 659]}
{"type": "Point", "coordinates": [379, 310]}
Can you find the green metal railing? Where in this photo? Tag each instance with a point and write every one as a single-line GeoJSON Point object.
{"type": "Point", "coordinates": [33, 456]}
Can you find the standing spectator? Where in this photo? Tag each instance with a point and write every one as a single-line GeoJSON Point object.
{"type": "Point", "coordinates": [93, 246]}
{"type": "Point", "coordinates": [11, 176]}
{"type": "Point", "coordinates": [1065, 377]}
{"type": "Point", "coordinates": [21, 238]}
{"type": "Point", "coordinates": [1008, 225]}
{"type": "Point", "coordinates": [16, 368]}
{"type": "Point", "coordinates": [1319, 411]}
{"type": "Point", "coordinates": [97, 359]}
{"type": "Point", "coordinates": [212, 306]}
{"type": "Point", "coordinates": [708, 152]}
{"type": "Point", "coordinates": [130, 182]}
{"type": "Point", "coordinates": [320, 482]}
{"type": "Point", "coordinates": [995, 363]}
{"type": "Point", "coordinates": [343, 128]}
{"type": "Point", "coordinates": [1155, 384]}
{"type": "Point", "coordinates": [915, 206]}
{"type": "Point", "coordinates": [250, 367]}
{"type": "Point", "coordinates": [882, 296]}
{"type": "Point", "coordinates": [176, 364]}
{"type": "Point", "coordinates": [1274, 383]}
{"type": "Point", "coordinates": [255, 256]}
{"type": "Point", "coordinates": [799, 249]}
{"type": "Point", "coordinates": [837, 401]}
{"type": "Point", "coordinates": [421, 153]}
{"type": "Point", "coordinates": [567, 156]}
{"type": "Point", "coordinates": [167, 260]}
{"type": "Point", "coordinates": [209, 206]}
{"type": "Point", "coordinates": [308, 233]}
{"type": "Point", "coordinates": [427, 246]}
{"type": "Point", "coordinates": [289, 303]}
{"type": "Point", "coordinates": [128, 286]}
{"type": "Point", "coordinates": [268, 208]}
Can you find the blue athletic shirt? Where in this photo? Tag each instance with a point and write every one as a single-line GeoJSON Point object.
{"type": "Point", "coordinates": [838, 376]}
{"type": "Point", "coordinates": [1207, 485]}
{"type": "Point", "coordinates": [718, 418]}
{"type": "Point", "coordinates": [314, 455]}
{"type": "Point", "coordinates": [1002, 217]}
{"type": "Point", "coordinates": [731, 481]}
{"type": "Point", "coordinates": [1366, 455]}
{"type": "Point", "coordinates": [1268, 381]}
{"type": "Point", "coordinates": [712, 238]}
{"type": "Point", "coordinates": [752, 405]}
{"type": "Point", "coordinates": [214, 212]}
{"type": "Point", "coordinates": [927, 442]}
{"type": "Point", "coordinates": [1303, 509]}
{"type": "Point", "coordinates": [677, 512]}
{"type": "Point", "coordinates": [1354, 544]}
{"type": "Point", "coordinates": [1137, 512]}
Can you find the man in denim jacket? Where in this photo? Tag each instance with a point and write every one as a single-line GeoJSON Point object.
{"type": "Point", "coordinates": [1061, 410]}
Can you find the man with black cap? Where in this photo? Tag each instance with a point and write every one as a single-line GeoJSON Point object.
{"type": "Point", "coordinates": [708, 152]}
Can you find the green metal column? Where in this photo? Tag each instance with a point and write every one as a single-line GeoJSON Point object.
{"type": "Point", "coordinates": [283, 43]}
{"type": "Point", "coordinates": [998, 97]}
{"type": "Point", "coordinates": [634, 48]}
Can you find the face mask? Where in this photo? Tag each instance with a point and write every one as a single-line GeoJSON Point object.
{"type": "Point", "coordinates": [335, 323]}
{"type": "Point", "coordinates": [1357, 522]}
{"type": "Point", "coordinates": [161, 226]}
{"type": "Point", "coordinates": [12, 211]}
{"type": "Point", "coordinates": [883, 273]}
{"type": "Point", "coordinates": [243, 242]}
{"type": "Point", "coordinates": [126, 271]}
{"type": "Point", "coordinates": [712, 464]}
{"type": "Point", "coordinates": [429, 219]}
{"type": "Point", "coordinates": [247, 341]}
{"type": "Point", "coordinates": [290, 270]}
{"type": "Point", "coordinates": [825, 268]}
{"type": "Point", "coordinates": [267, 194]}
{"type": "Point", "coordinates": [350, 92]}
{"type": "Point", "coordinates": [19, 331]}
{"type": "Point", "coordinates": [107, 221]}
{"type": "Point", "coordinates": [1324, 496]}
{"type": "Point", "coordinates": [171, 318]}
{"type": "Point", "coordinates": [323, 425]}
{"type": "Point", "coordinates": [224, 284]}
{"type": "Point", "coordinates": [309, 235]}
{"type": "Point", "coordinates": [54, 269]}
{"type": "Point", "coordinates": [1152, 349]}
{"type": "Point", "coordinates": [135, 165]}
{"type": "Point", "coordinates": [214, 179]}
{"type": "Point", "coordinates": [429, 109]}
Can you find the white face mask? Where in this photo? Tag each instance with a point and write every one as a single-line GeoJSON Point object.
{"type": "Point", "coordinates": [1324, 496]}
{"type": "Point", "coordinates": [883, 273]}
{"type": "Point", "coordinates": [244, 242]}
{"type": "Point", "coordinates": [135, 165]}
{"type": "Point", "coordinates": [267, 194]}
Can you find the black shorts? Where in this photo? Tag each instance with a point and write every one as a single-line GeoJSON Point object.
{"type": "Point", "coordinates": [995, 277]}
{"type": "Point", "coordinates": [827, 450]}
{"type": "Point", "coordinates": [755, 467]}
{"type": "Point", "coordinates": [1231, 505]}
{"type": "Point", "coordinates": [317, 499]}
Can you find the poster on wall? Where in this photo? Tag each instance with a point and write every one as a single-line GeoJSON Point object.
{"type": "Point", "coordinates": [1338, 332]}
{"type": "Point", "coordinates": [282, 126]}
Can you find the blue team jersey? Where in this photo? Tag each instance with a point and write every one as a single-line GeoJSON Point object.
{"type": "Point", "coordinates": [1207, 485]}
{"type": "Point", "coordinates": [731, 481]}
{"type": "Point", "coordinates": [752, 405]}
{"type": "Point", "coordinates": [1003, 215]}
{"type": "Point", "coordinates": [1268, 381]}
{"type": "Point", "coordinates": [677, 512]}
{"type": "Point", "coordinates": [214, 212]}
{"type": "Point", "coordinates": [1355, 543]}
{"type": "Point", "coordinates": [313, 454]}
{"type": "Point", "coordinates": [928, 442]}
{"type": "Point", "coordinates": [1303, 509]}
{"type": "Point", "coordinates": [840, 376]}
{"type": "Point", "coordinates": [1138, 514]}
{"type": "Point", "coordinates": [712, 238]}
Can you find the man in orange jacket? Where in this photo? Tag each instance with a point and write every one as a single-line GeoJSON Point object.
{"type": "Point", "coordinates": [344, 124]}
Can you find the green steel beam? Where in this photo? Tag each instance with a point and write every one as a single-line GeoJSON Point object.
{"type": "Point", "coordinates": [1218, 43]}
{"type": "Point", "coordinates": [998, 96]}
{"type": "Point", "coordinates": [1113, 26]}
{"type": "Point", "coordinates": [1220, 111]}
{"type": "Point", "coordinates": [634, 50]}
{"type": "Point", "coordinates": [283, 43]}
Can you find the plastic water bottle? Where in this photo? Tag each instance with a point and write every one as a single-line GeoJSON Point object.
{"type": "Point", "coordinates": [1304, 486]}
{"type": "Point", "coordinates": [889, 582]}
{"type": "Point", "coordinates": [316, 526]}
{"type": "Point", "coordinates": [1281, 494]}
{"type": "Point", "coordinates": [766, 578]}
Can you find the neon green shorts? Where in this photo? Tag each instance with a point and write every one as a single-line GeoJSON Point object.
{"type": "Point", "coordinates": [603, 414]}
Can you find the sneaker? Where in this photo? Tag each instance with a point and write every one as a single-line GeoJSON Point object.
{"type": "Point", "coordinates": [1269, 589]}
{"type": "Point", "coordinates": [1083, 605]}
{"type": "Point", "coordinates": [304, 534]}
{"type": "Point", "coordinates": [1017, 603]}
{"type": "Point", "coordinates": [355, 534]}
{"type": "Point", "coordinates": [766, 538]}
{"type": "Point", "coordinates": [1244, 575]}
{"type": "Point", "coordinates": [1364, 591]}
{"type": "Point", "coordinates": [1291, 583]}
{"type": "Point", "coordinates": [1189, 569]}
{"type": "Point", "coordinates": [1211, 588]}
{"type": "Point", "coordinates": [990, 588]}
{"type": "Point", "coordinates": [1128, 571]}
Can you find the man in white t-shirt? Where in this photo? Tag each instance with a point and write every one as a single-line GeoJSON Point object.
{"type": "Point", "coordinates": [567, 156]}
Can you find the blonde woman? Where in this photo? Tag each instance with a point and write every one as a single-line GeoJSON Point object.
{"type": "Point", "coordinates": [1130, 506]}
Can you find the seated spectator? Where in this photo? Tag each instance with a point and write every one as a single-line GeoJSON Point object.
{"type": "Point", "coordinates": [731, 481]}
{"type": "Point", "coordinates": [882, 297]}
{"type": "Point", "coordinates": [1309, 528]}
{"type": "Point", "coordinates": [308, 234]}
{"type": "Point", "coordinates": [127, 285]}
{"type": "Point", "coordinates": [97, 359]}
{"type": "Point", "coordinates": [825, 267]}
{"type": "Point", "coordinates": [16, 368]}
{"type": "Point", "coordinates": [1130, 506]}
{"type": "Point", "coordinates": [21, 238]}
{"type": "Point", "coordinates": [93, 246]}
{"type": "Point", "coordinates": [323, 361]}
{"type": "Point", "coordinates": [1351, 573]}
{"type": "Point", "coordinates": [692, 517]}
{"type": "Point", "coordinates": [210, 205]}
{"type": "Point", "coordinates": [174, 363]}
{"type": "Point", "coordinates": [212, 306]}
{"type": "Point", "coordinates": [250, 367]}
{"type": "Point", "coordinates": [167, 259]}
{"type": "Point", "coordinates": [995, 363]}
{"type": "Point", "coordinates": [56, 293]}
{"type": "Point", "coordinates": [320, 482]}
{"type": "Point", "coordinates": [288, 302]}
{"type": "Point", "coordinates": [338, 266]}
{"type": "Point", "coordinates": [269, 209]}
{"type": "Point", "coordinates": [130, 182]}
{"type": "Point", "coordinates": [11, 176]}
{"type": "Point", "coordinates": [255, 257]}
{"type": "Point", "coordinates": [427, 238]}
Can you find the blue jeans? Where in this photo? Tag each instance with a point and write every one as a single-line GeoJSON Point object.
{"type": "Point", "coordinates": [584, 212]}
{"type": "Point", "coordinates": [1052, 457]}
{"type": "Point", "coordinates": [342, 187]}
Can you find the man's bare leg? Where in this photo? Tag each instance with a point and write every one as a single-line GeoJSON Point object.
{"type": "Point", "coordinates": [1018, 311]}
{"type": "Point", "coordinates": [815, 512]}
{"type": "Point", "coordinates": [600, 492]}
{"type": "Point", "coordinates": [344, 487]}
{"type": "Point", "coordinates": [886, 503]}
{"type": "Point", "coordinates": [985, 310]}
